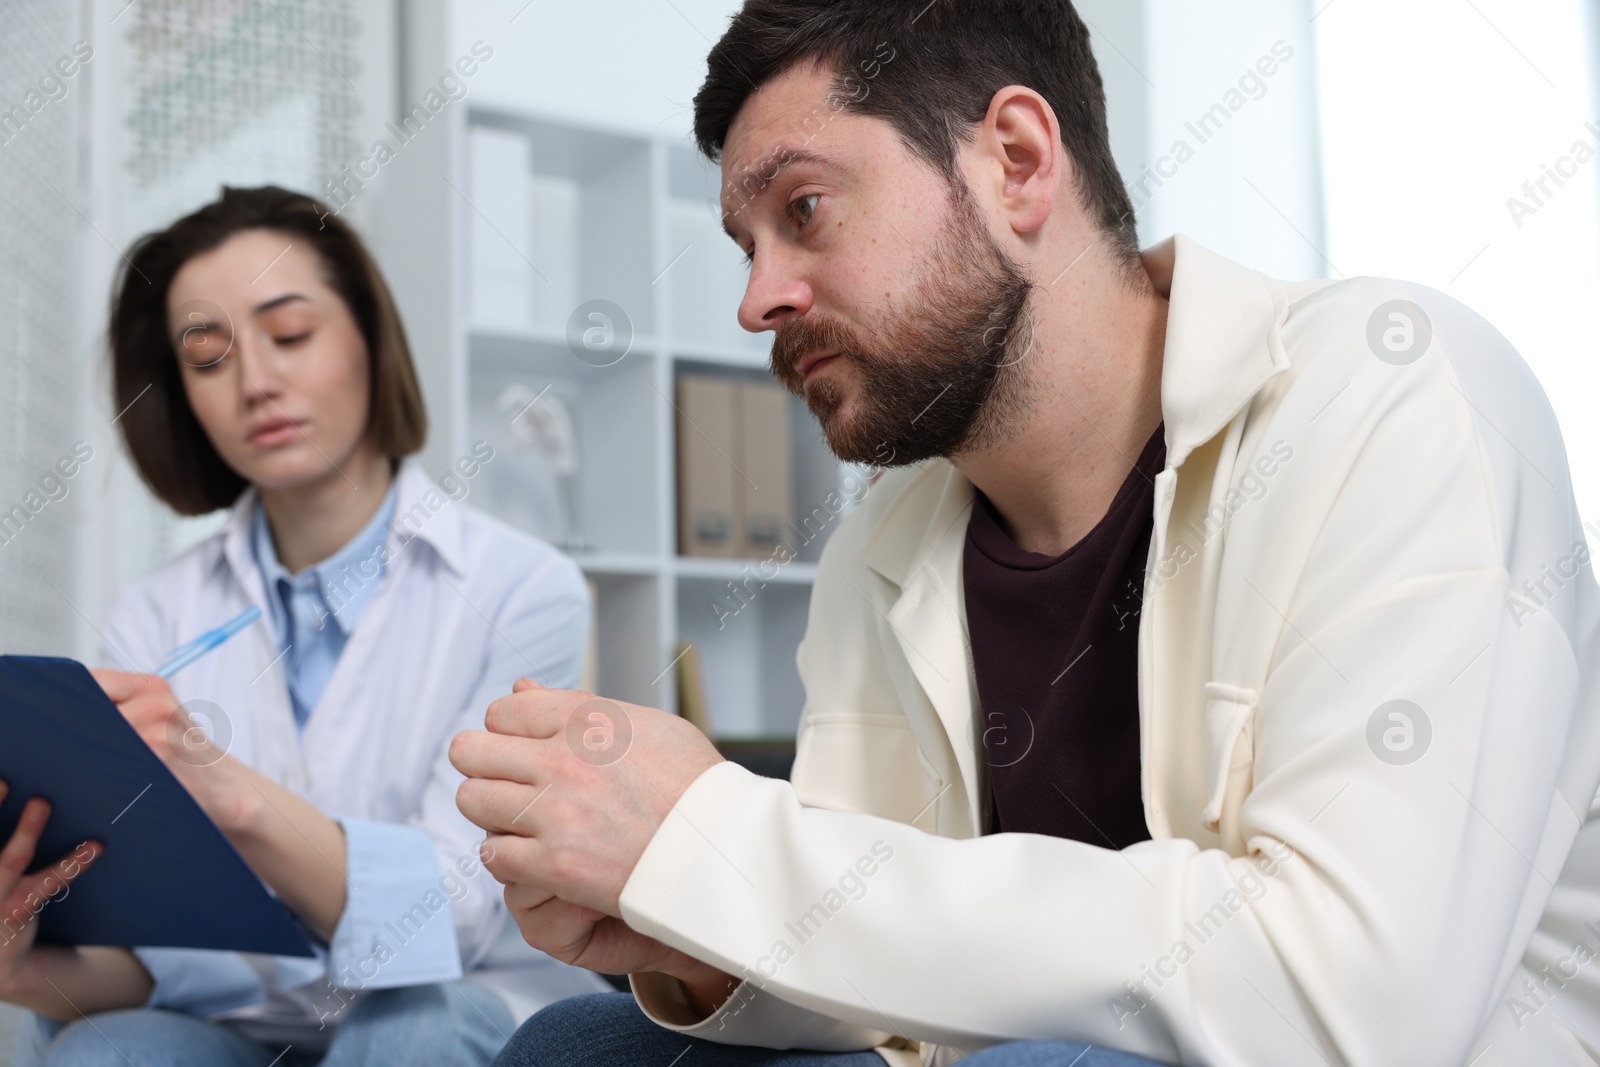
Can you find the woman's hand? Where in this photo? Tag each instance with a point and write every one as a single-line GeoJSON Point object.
{"type": "Point", "coordinates": [219, 783]}
{"type": "Point", "coordinates": [292, 846]}
{"type": "Point", "coordinates": [23, 896]}
{"type": "Point", "coordinates": [53, 980]}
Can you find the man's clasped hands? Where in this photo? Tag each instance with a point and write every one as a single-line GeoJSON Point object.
{"type": "Point", "coordinates": [570, 789]}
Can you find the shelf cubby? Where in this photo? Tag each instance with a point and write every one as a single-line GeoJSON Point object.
{"type": "Point", "coordinates": [554, 216]}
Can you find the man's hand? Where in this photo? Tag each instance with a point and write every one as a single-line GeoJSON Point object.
{"type": "Point", "coordinates": [571, 788]}
{"type": "Point", "coordinates": [587, 938]}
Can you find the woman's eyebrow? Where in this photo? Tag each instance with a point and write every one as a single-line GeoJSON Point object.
{"type": "Point", "coordinates": [278, 301]}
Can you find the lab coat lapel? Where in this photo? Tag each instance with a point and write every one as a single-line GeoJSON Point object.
{"type": "Point", "coordinates": [239, 555]}
{"type": "Point", "coordinates": [277, 745]}
{"type": "Point", "coordinates": [920, 553]}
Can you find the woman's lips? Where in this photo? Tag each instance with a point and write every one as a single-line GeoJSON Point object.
{"type": "Point", "coordinates": [277, 432]}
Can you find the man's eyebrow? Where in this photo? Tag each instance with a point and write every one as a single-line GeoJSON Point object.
{"type": "Point", "coordinates": [758, 177]}
{"type": "Point", "coordinates": [278, 301]}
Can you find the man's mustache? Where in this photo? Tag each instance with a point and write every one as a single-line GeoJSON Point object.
{"type": "Point", "coordinates": [800, 338]}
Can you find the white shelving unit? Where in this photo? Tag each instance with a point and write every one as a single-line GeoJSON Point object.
{"type": "Point", "coordinates": [540, 217]}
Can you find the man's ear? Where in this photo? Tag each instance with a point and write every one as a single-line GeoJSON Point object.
{"type": "Point", "coordinates": [1020, 150]}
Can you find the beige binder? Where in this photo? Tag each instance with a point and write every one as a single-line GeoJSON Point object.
{"type": "Point", "coordinates": [707, 447]}
{"type": "Point", "coordinates": [692, 704]}
{"type": "Point", "coordinates": [589, 676]}
{"type": "Point", "coordinates": [767, 462]}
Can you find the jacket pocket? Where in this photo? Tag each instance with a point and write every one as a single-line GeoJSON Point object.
{"type": "Point", "coordinates": [1229, 759]}
{"type": "Point", "coordinates": [864, 762]}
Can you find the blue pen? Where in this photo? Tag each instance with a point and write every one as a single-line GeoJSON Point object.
{"type": "Point", "coordinates": [186, 654]}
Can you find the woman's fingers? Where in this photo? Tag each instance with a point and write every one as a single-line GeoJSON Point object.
{"type": "Point", "coordinates": [5, 879]}
{"type": "Point", "coordinates": [62, 873]}
{"type": "Point", "coordinates": [143, 699]}
{"type": "Point", "coordinates": [121, 685]}
{"type": "Point", "coordinates": [25, 899]}
{"type": "Point", "coordinates": [18, 852]}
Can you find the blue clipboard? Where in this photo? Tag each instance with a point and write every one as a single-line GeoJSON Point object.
{"type": "Point", "coordinates": [168, 877]}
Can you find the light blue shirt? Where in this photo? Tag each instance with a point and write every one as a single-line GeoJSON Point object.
{"type": "Point", "coordinates": [314, 612]}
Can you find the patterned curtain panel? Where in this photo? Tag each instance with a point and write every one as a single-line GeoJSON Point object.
{"type": "Point", "coordinates": [44, 69]}
{"type": "Point", "coordinates": [115, 119]}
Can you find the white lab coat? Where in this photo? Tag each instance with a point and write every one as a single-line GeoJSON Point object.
{"type": "Point", "coordinates": [1333, 531]}
{"type": "Point", "coordinates": [466, 606]}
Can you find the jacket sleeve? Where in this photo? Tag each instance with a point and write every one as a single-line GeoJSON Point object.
{"type": "Point", "coordinates": [1377, 902]}
{"type": "Point", "coordinates": [750, 1016]}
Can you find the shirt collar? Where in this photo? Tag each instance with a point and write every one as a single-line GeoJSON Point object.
{"type": "Point", "coordinates": [422, 512]}
{"type": "Point", "coordinates": [346, 579]}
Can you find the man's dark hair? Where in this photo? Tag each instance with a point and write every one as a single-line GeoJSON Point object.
{"type": "Point", "coordinates": [930, 70]}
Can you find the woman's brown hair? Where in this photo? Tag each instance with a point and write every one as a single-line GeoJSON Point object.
{"type": "Point", "coordinates": [171, 450]}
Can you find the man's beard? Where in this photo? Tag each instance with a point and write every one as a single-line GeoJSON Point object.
{"type": "Point", "coordinates": [941, 377]}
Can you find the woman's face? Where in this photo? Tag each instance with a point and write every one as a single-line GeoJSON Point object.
{"type": "Point", "coordinates": [273, 362]}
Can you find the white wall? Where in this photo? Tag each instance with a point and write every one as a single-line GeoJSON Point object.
{"type": "Point", "coordinates": [1435, 113]}
{"type": "Point", "coordinates": [1246, 184]}
{"type": "Point", "coordinates": [1164, 62]}
{"type": "Point", "coordinates": [638, 65]}
{"type": "Point", "coordinates": [611, 62]}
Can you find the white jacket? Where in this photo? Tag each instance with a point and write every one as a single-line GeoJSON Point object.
{"type": "Point", "coordinates": [465, 607]}
{"type": "Point", "coordinates": [1333, 879]}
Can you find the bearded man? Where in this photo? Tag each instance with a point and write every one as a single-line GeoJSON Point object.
{"type": "Point", "coordinates": [1211, 678]}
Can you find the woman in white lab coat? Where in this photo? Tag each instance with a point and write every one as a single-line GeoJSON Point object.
{"type": "Point", "coordinates": [259, 364]}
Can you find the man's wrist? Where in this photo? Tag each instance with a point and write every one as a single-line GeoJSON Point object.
{"type": "Point", "coordinates": [706, 987]}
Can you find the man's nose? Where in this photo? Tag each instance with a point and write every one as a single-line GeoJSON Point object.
{"type": "Point", "coordinates": [775, 293]}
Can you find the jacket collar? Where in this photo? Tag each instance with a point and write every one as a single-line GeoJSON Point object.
{"type": "Point", "coordinates": [1223, 344]}
{"type": "Point", "coordinates": [422, 513]}
{"type": "Point", "coordinates": [1224, 340]}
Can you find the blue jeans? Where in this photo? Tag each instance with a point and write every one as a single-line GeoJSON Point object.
{"type": "Point", "coordinates": [453, 1023]}
{"type": "Point", "coordinates": [608, 1029]}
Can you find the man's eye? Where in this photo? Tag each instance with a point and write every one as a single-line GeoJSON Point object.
{"type": "Point", "coordinates": [802, 207]}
